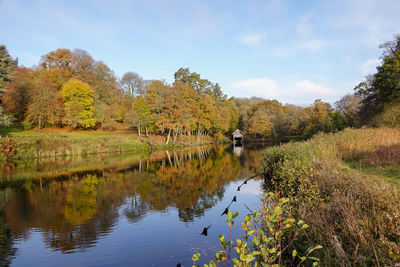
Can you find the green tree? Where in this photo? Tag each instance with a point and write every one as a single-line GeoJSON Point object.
{"type": "Point", "coordinates": [193, 79]}
{"type": "Point", "coordinates": [339, 121]}
{"type": "Point", "coordinates": [78, 104]}
{"type": "Point", "coordinates": [382, 88]}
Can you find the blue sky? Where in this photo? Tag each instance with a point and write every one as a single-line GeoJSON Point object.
{"type": "Point", "coordinates": [292, 51]}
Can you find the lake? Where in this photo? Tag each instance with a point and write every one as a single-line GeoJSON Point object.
{"type": "Point", "coordinates": [136, 210]}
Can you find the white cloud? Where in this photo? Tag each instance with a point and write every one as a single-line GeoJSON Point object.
{"type": "Point", "coordinates": [300, 92]}
{"type": "Point", "coordinates": [257, 87]}
{"type": "Point", "coordinates": [308, 87]}
{"type": "Point", "coordinates": [313, 45]}
{"type": "Point", "coordinates": [369, 66]}
{"type": "Point", "coordinates": [252, 39]}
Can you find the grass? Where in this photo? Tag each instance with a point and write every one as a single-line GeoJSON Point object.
{"type": "Point", "coordinates": [353, 213]}
{"type": "Point", "coordinates": [390, 173]}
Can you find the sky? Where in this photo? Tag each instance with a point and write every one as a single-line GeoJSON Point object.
{"type": "Point", "coordinates": [292, 51]}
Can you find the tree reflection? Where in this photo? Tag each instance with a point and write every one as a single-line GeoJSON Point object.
{"type": "Point", "coordinates": [7, 249]}
{"type": "Point", "coordinates": [72, 213]}
{"type": "Point", "coordinates": [81, 200]}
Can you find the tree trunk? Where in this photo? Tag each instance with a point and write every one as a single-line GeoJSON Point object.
{"type": "Point", "coordinates": [175, 135]}
{"type": "Point", "coordinates": [169, 132]}
{"type": "Point", "coordinates": [138, 128]}
{"type": "Point", "coordinates": [147, 134]}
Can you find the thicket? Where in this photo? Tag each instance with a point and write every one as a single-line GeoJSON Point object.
{"type": "Point", "coordinates": [356, 217]}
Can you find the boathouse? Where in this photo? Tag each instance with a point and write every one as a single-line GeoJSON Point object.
{"type": "Point", "coordinates": [237, 137]}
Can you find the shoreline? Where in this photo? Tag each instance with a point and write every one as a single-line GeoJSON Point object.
{"type": "Point", "coordinates": [40, 145]}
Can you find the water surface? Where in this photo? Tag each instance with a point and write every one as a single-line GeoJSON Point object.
{"type": "Point", "coordinates": [124, 210]}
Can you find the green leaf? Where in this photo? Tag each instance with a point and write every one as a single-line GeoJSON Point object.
{"type": "Point", "coordinates": [196, 256]}
{"type": "Point", "coordinates": [212, 264]}
{"type": "Point", "coordinates": [256, 241]}
{"type": "Point", "coordinates": [318, 247]}
{"type": "Point", "coordinates": [294, 253]}
{"type": "Point", "coordinates": [235, 215]}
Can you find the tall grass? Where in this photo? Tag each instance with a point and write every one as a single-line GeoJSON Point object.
{"type": "Point", "coordinates": [354, 215]}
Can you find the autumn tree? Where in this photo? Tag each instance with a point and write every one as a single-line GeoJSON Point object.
{"type": "Point", "coordinates": [106, 93]}
{"type": "Point", "coordinates": [156, 96]}
{"type": "Point", "coordinates": [46, 106]}
{"type": "Point", "coordinates": [260, 124]}
{"type": "Point", "coordinates": [18, 93]}
{"type": "Point", "coordinates": [82, 65]}
{"type": "Point", "coordinates": [78, 104]}
{"type": "Point", "coordinates": [7, 66]}
{"type": "Point", "coordinates": [349, 106]}
{"type": "Point", "coordinates": [140, 115]}
{"type": "Point", "coordinates": [133, 83]}
{"type": "Point", "coordinates": [59, 65]}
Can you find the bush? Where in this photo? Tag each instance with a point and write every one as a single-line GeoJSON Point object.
{"type": "Point", "coordinates": [289, 168]}
{"type": "Point", "coordinates": [27, 125]}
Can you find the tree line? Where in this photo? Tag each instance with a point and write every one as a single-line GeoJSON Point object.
{"type": "Point", "coordinates": [69, 88]}
{"type": "Point", "coordinates": [374, 103]}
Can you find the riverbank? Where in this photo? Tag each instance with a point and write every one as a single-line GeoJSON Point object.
{"type": "Point", "coordinates": [353, 212]}
{"type": "Point", "coordinates": [18, 144]}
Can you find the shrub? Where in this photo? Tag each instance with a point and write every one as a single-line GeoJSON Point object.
{"type": "Point", "coordinates": [8, 148]}
{"type": "Point", "coordinates": [269, 235]}
{"type": "Point", "coordinates": [27, 125]}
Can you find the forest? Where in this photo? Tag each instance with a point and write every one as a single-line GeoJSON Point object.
{"type": "Point", "coordinates": [68, 88]}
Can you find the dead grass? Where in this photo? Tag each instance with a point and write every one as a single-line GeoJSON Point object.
{"type": "Point", "coordinates": [356, 217]}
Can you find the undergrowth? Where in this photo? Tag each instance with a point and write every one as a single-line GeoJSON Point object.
{"type": "Point", "coordinates": [355, 216]}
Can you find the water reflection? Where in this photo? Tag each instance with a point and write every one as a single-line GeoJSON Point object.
{"type": "Point", "coordinates": [238, 150]}
{"type": "Point", "coordinates": [73, 210]}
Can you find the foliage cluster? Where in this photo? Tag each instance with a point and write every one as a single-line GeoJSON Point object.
{"type": "Point", "coordinates": [380, 92]}
{"type": "Point", "coordinates": [268, 238]}
{"type": "Point", "coordinates": [354, 215]}
{"type": "Point", "coordinates": [269, 118]}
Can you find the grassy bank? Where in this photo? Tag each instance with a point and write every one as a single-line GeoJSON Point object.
{"type": "Point", "coordinates": [344, 186]}
{"type": "Point", "coordinates": [18, 144]}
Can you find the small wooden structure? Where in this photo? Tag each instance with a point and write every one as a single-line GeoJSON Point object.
{"type": "Point", "coordinates": [237, 137]}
